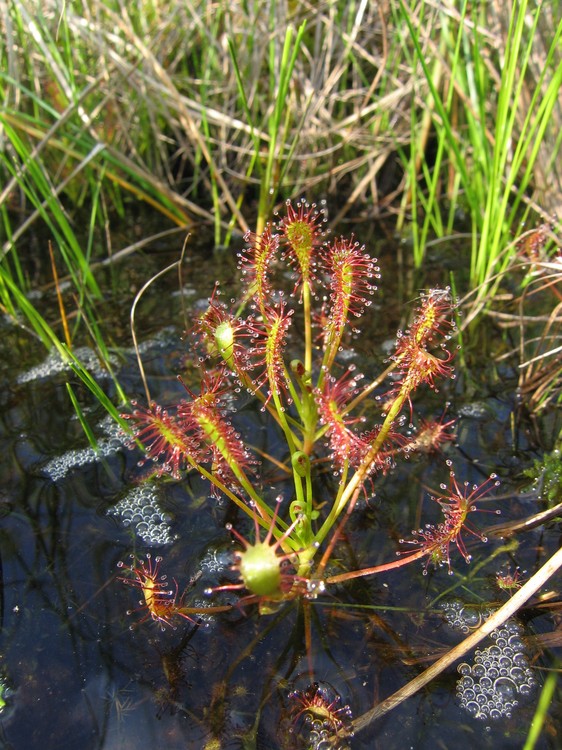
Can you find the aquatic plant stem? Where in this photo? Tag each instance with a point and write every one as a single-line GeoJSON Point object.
{"type": "Point", "coordinates": [307, 327]}
{"type": "Point", "coordinates": [250, 386]}
{"type": "Point", "coordinates": [384, 568]}
{"type": "Point", "coordinates": [352, 490]}
{"type": "Point", "coordinates": [371, 387]}
{"type": "Point", "coordinates": [493, 622]}
{"type": "Point", "coordinates": [306, 406]}
{"type": "Point", "coordinates": [538, 720]}
{"type": "Point", "coordinates": [260, 505]}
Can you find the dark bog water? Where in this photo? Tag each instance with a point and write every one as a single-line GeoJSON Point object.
{"type": "Point", "coordinates": [78, 671]}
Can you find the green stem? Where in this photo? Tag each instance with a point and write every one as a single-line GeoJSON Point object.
{"type": "Point", "coordinates": [242, 504]}
{"type": "Point", "coordinates": [280, 417]}
{"type": "Point", "coordinates": [541, 713]}
{"type": "Point", "coordinates": [307, 327]}
{"type": "Point", "coordinates": [307, 408]}
{"type": "Point", "coordinates": [356, 482]}
{"type": "Point", "coordinates": [308, 481]}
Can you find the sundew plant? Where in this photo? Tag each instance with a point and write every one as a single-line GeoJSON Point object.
{"type": "Point", "coordinates": [283, 344]}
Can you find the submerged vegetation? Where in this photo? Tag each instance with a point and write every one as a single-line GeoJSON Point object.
{"type": "Point", "coordinates": [435, 123]}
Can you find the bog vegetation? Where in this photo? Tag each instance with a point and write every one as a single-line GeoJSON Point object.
{"type": "Point", "coordinates": [437, 123]}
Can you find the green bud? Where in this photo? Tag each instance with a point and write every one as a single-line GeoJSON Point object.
{"type": "Point", "coordinates": [301, 463]}
{"type": "Point", "coordinates": [298, 370]}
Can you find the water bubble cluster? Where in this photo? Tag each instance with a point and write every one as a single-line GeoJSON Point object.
{"type": "Point", "coordinates": [319, 718]}
{"type": "Point", "coordinates": [165, 339]}
{"type": "Point", "coordinates": [53, 364]}
{"type": "Point", "coordinates": [216, 560]}
{"type": "Point", "coordinates": [140, 509]}
{"type": "Point", "coordinates": [475, 410]}
{"type": "Point", "coordinates": [57, 468]}
{"type": "Point", "coordinates": [323, 739]}
{"type": "Point", "coordinates": [114, 441]}
{"type": "Point", "coordinates": [465, 618]}
{"type": "Point", "coordinates": [500, 675]}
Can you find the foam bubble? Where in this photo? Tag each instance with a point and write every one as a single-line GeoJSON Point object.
{"type": "Point", "coordinates": [490, 687]}
{"type": "Point", "coordinates": [140, 509]}
{"type": "Point", "coordinates": [114, 441]}
{"type": "Point", "coordinates": [53, 364]}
